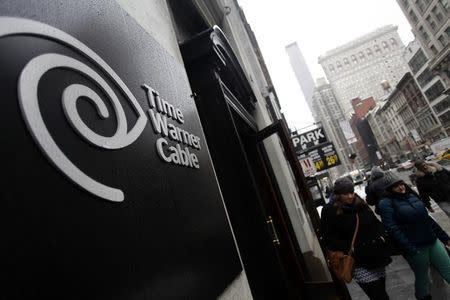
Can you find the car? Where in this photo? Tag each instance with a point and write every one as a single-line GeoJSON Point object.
{"type": "Point", "coordinates": [406, 165]}
{"type": "Point", "coordinates": [444, 155]}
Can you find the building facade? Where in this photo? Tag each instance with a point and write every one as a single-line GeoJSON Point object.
{"type": "Point", "coordinates": [161, 130]}
{"type": "Point", "coordinates": [430, 84]}
{"type": "Point", "coordinates": [329, 113]}
{"type": "Point", "coordinates": [302, 73]}
{"type": "Point", "coordinates": [430, 22]}
{"type": "Point", "coordinates": [358, 68]}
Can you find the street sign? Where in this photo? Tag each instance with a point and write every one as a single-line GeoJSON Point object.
{"type": "Point", "coordinates": [309, 139]}
{"type": "Point", "coordinates": [324, 156]}
{"type": "Point", "coordinates": [308, 166]}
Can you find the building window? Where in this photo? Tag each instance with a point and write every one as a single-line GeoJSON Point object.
{"type": "Point", "coordinates": [425, 77]}
{"type": "Point", "coordinates": [434, 50]}
{"type": "Point", "coordinates": [369, 52]}
{"type": "Point", "coordinates": [393, 42]}
{"type": "Point", "coordinates": [447, 31]}
{"type": "Point", "coordinates": [417, 61]}
{"type": "Point", "coordinates": [442, 40]}
{"type": "Point", "coordinates": [424, 34]}
{"type": "Point", "coordinates": [442, 105]}
{"type": "Point", "coordinates": [346, 62]}
{"type": "Point", "coordinates": [361, 55]}
{"type": "Point", "coordinates": [354, 59]}
{"type": "Point", "coordinates": [331, 68]}
{"type": "Point", "coordinates": [437, 14]}
{"type": "Point", "coordinates": [420, 5]}
{"type": "Point", "coordinates": [413, 17]}
{"type": "Point", "coordinates": [445, 119]}
{"type": "Point", "coordinates": [434, 91]}
{"type": "Point", "coordinates": [431, 23]}
{"type": "Point", "coordinates": [338, 64]}
{"type": "Point", "coordinates": [444, 4]}
{"type": "Point", "coordinates": [385, 45]}
{"type": "Point", "coordinates": [377, 49]}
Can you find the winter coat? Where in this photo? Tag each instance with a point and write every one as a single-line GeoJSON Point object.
{"type": "Point", "coordinates": [407, 222]}
{"type": "Point", "coordinates": [435, 184]}
{"type": "Point", "coordinates": [375, 189]}
{"type": "Point", "coordinates": [337, 231]}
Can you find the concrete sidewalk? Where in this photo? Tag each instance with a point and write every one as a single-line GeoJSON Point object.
{"type": "Point", "coordinates": [400, 278]}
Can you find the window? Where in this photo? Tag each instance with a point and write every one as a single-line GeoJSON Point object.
{"type": "Point", "coordinates": [437, 14]}
{"type": "Point", "coordinates": [434, 50]}
{"type": "Point", "coordinates": [354, 59]}
{"type": "Point", "coordinates": [442, 40]}
{"type": "Point", "coordinates": [445, 119]}
{"type": "Point", "coordinates": [417, 61]}
{"type": "Point", "coordinates": [385, 45]}
{"type": "Point", "coordinates": [393, 42]}
{"type": "Point", "coordinates": [338, 64]}
{"type": "Point", "coordinates": [444, 4]}
{"type": "Point", "coordinates": [425, 77]}
{"type": "Point", "coordinates": [369, 52]}
{"type": "Point", "coordinates": [346, 62]}
{"type": "Point", "coordinates": [434, 91]}
{"type": "Point", "coordinates": [420, 5]}
{"type": "Point", "coordinates": [377, 49]}
{"type": "Point", "coordinates": [447, 31]}
{"type": "Point", "coordinates": [442, 105]}
{"type": "Point", "coordinates": [361, 55]}
{"type": "Point", "coordinates": [424, 34]}
{"type": "Point", "coordinates": [331, 68]}
{"type": "Point", "coordinates": [431, 23]}
{"type": "Point", "coordinates": [413, 17]}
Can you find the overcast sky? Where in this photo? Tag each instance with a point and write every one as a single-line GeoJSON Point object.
{"type": "Point", "coordinates": [317, 26]}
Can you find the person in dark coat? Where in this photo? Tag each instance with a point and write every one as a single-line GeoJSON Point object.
{"type": "Point", "coordinates": [375, 187]}
{"type": "Point", "coordinates": [338, 222]}
{"type": "Point", "coordinates": [433, 181]}
{"type": "Point", "coordinates": [416, 234]}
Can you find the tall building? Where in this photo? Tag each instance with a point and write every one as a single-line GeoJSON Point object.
{"type": "Point", "coordinates": [358, 68]}
{"type": "Point", "coordinates": [431, 85]}
{"type": "Point", "coordinates": [430, 22]}
{"type": "Point", "coordinates": [329, 113]}
{"type": "Point", "coordinates": [302, 73]}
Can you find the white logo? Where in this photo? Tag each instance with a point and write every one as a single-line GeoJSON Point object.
{"type": "Point", "coordinates": [28, 99]}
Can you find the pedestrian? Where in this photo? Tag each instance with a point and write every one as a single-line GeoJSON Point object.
{"type": "Point", "coordinates": [375, 187]}
{"type": "Point", "coordinates": [415, 233]}
{"type": "Point", "coordinates": [338, 224]}
{"type": "Point", "coordinates": [433, 181]}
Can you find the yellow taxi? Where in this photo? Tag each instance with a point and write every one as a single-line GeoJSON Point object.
{"type": "Point", "coordinates": [444, 155]}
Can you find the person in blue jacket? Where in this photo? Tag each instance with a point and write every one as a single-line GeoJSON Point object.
{"type": "Point", "coordinates": [409, 226]}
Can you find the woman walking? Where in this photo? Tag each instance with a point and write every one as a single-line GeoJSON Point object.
{"type": "Point", "coordinates": [338, 224]}
{"type": "Point", "coordinates": [416, 234]}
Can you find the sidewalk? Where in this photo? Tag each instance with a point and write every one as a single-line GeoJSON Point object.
{"type": "Point", "coordinates": [400, 278]}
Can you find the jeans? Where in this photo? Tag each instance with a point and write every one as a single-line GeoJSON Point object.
{"type": "Point", "coordinates": [375, 290]}
{"type": "Point", "coordinates": [420, 264]}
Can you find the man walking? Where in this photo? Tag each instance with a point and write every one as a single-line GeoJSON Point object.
{"type": "Point", "coordinates": [433, 181]}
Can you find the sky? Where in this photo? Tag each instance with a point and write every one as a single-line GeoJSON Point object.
{"type": "Point", "coordinates": [317, 26]}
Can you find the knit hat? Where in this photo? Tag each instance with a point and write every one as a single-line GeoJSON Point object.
{"type": "Point", "coordinates": [389, 179]}
{"type": "Point", "coordinates": [418, 163]}
{"type": "Point", "coordinates": [343, 185]}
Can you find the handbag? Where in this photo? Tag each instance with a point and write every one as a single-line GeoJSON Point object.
{"type": "Point", "coordinates": [342, 264]}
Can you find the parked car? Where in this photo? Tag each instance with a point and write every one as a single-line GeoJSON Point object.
{"type": "Point", "coordinates": [445, 155]}
{"type": "Point", "coordinates": [406, 165]}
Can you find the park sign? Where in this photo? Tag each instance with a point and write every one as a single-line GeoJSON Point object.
{"type": "Point", "coordinates": [309, 139]}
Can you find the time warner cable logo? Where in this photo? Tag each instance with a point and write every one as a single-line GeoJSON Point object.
{"type": "Point", "coordinates": [27, 90]}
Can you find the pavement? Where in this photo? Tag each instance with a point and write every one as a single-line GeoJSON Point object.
{"type": "Point", "coordinates": [399, 277]}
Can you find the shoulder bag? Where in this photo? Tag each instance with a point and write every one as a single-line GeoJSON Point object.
{"type": "Point", "coordinates": [342, 264]}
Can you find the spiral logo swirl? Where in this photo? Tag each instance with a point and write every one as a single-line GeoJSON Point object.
{"type": "Point", "coordinates": [28, 100]}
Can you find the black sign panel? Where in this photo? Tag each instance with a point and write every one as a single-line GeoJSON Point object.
{"type": "Point", "coordinates": [308, 139]}
{"type": "Point", "coordinates": [110, 192]}
{"type": "Point", "coordinates": [323, 156]}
